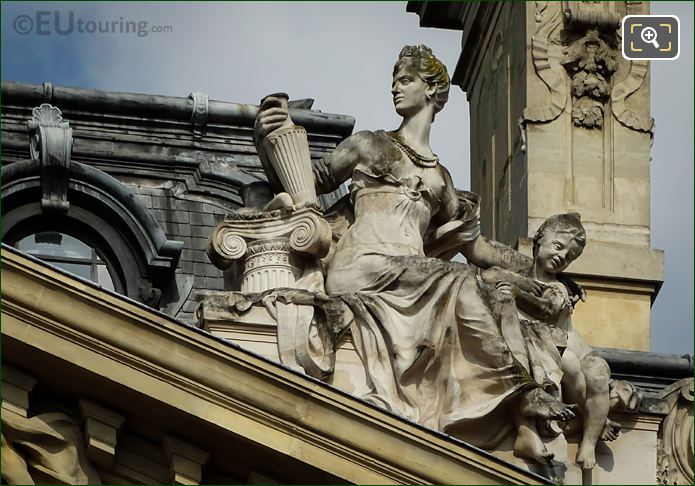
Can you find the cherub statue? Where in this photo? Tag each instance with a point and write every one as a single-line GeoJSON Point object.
{"type": "Point", "coordinates": [559, 354]}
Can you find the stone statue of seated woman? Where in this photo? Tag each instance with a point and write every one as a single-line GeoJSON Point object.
{"type": "Point", "coordinates": [438, 345]}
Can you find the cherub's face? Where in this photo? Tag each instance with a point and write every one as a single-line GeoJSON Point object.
{"type": "Point", "coordinates": [556, 251]}
{"type": "Point", "coordinates": [410, 92]}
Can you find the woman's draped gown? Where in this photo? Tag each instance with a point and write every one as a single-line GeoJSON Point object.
{"type": "Point", "coordinates": [439, 346]}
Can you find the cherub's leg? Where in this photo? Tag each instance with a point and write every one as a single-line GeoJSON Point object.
{"type": "Point", "coordinates": [573, 383]}
{"type": "Point", "coordinates": [595, 408]}
{"type": "Point", "coordinates": [528, 443]}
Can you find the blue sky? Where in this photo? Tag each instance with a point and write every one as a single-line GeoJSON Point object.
{"type": "Point", "coordinates": [341, 54]}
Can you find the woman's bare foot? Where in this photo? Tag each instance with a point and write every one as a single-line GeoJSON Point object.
{"type": "Point", "coordinates": [540, 404]}
{"type": "Point", "coordinates": [611, 431]}
{"type": "Point", "coordinates": [586, 456]}
{"type": "Point", "coordinates": [529, 446]}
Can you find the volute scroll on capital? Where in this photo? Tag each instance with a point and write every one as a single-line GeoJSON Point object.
{"type": "Point", "coordinates": [304, 226]}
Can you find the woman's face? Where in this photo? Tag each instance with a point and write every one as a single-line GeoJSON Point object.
{"type": "Point", "coordinates": [410, 93]}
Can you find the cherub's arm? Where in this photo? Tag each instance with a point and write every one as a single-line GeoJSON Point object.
{"type": "Point", "coordinates": [543, 307]}
{"type": "Point", "coordinates": [497, 275]}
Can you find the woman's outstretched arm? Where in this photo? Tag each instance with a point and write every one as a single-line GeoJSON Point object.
{"type": "Point", "coordinates": [337, 167]}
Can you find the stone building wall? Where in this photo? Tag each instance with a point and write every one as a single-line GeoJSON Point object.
{"type": "Point", "coordinates": [185, 159]}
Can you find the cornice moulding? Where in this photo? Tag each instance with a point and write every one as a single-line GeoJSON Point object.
{"type": "Point", "coordinates": [228, 387]}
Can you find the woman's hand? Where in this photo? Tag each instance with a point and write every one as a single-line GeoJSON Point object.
{"type": "Point", "coordinates": [270, 117]}
{"type": "Point", "coordinates": [323, 177]}
{"type": "Point", "coordinates": [507, 288]}
{"type": "Point", "coordinates": [530, 285]}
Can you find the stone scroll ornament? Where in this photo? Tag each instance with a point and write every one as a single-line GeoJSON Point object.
{"type": "Point", "coordinates": [628, 116]}
{"type": "Point", "coordinates": [676, 436]}
{"type": "Point", "coordinates": [51, 144]}
{"type": "Point", "coordinates": [279, 251]}
{"type": "Point", "coordinates": [548, 20]}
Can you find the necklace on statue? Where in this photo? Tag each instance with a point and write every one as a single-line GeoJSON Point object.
{"type": "Point", "coordinates": [415, 157]}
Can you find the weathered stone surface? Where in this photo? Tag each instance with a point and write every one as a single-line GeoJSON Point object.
{"type": "Point", "coordinates": [16, 387]}
{"type": "Point", "coordinates": [675, 456]}
{"type": "Point", "coordinates": [185, 171]}
{"type": "Point", "coordinates": [101, 427]}
{"type": "Point", "coordinates": [561, 122]}
{"type": "Point", "coordinates": [410, 315]}
{"type": "Point", "coordinates": [250, 413]}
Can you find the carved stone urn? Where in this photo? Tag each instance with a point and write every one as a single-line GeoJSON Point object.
{"type": "Point", "coordinates": [287, 149]}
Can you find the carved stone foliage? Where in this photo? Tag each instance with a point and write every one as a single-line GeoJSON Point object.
{"type": "Point", "coordinates": [584, 38]}
{"type": "Point", "coordinates": [591, 62]}
{"type": "Point", "coordinates": [675, 456]}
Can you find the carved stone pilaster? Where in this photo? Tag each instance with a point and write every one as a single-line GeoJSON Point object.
{"type": "Point", "coordinates": [51, 143]}
{"type": "Point", "coordinates": [675, 455]}
{"type": "Point", "coordinates": [269, 243]}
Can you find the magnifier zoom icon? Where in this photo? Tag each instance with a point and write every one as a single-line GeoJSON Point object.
{"type": "Point", "coordinates": [648, 36]}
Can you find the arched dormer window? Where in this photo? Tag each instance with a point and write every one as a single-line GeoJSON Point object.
{"type": "Point", "coordinates": [72, 255]}
{"type": "Point", "coordinates": [83, 220]}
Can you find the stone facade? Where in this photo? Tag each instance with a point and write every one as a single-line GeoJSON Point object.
{"type": "Point", "coordinates": [202, 376]}
{"type": "Point", "coordinates": [187, 174]}
{"type": "Point", "coordinates": [560, 122]}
